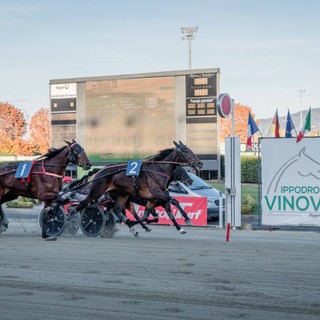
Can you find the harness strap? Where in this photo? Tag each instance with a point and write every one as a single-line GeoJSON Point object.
{"type": "Point", "coordinates": [46, 173]}
{"type": "Point", "coordinates": [136, 184]}
{"type": "Point", "coordinates": [27, 180]}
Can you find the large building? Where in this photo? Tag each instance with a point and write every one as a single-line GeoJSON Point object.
{"type": "Point", "coordinates": [125, 117]}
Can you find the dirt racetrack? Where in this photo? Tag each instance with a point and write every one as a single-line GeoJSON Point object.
{"type": "Point", "coordinates": [160, 275]}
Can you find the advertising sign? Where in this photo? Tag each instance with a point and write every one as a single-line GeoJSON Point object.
{"type": "Point", "coordinates": [290, 181]}
{"type": "Point", "coordinates": [63, 91]}
{"type": "Point", "coordinates": [63, 97]}
{"type": "Point", "coordinates": [195, 207]}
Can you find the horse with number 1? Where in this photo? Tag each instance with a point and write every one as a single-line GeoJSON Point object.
{"type": "Point", "coordinates": [40, 179]}
{"type": "Point", "coordinates": [147, 179]}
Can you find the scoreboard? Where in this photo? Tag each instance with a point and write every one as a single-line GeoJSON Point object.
{"type": "Point", "coordinates": [201, 95]}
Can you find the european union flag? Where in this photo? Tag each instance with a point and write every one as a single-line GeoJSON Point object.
{"type": "Point", "coordinates": [289, 126]}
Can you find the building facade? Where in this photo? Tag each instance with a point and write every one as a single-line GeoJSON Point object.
{"type": "Point", "coordinates": [125, 117]}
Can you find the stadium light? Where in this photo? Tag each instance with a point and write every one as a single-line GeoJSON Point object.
{"type": "Point", "coordinates": [189, 35]}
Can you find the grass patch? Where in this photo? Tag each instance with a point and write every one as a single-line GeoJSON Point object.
{"type": "Point", "coordinates": [246, 188]}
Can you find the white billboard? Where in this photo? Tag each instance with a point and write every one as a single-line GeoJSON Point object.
{"type": "Point", "coordinates": [290, 173]}
{"type": "Point", "coordinates": [63, 90]}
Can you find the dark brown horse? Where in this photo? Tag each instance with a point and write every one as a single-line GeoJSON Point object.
{"type": "Point", "coordinates": [150, 184]}
{"type": "Point", "coordinates": [179, 174]}
{"type": "Point", "coordinates": [44, 180]}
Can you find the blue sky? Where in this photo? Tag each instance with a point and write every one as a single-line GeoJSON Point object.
{"type": "Point", "coordinates": [266, 50]}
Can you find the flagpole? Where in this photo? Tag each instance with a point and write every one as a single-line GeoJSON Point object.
{"type": "Point", "coordinates": [270, 127]}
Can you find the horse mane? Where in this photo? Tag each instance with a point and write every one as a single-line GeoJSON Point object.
{"type": "Point", "coordinates": [161, 154]}
{"type": "Point", "coordinates": [52, 152]}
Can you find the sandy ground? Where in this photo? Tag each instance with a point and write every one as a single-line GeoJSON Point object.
{"type": "Point", "coordinates": [159, 275]}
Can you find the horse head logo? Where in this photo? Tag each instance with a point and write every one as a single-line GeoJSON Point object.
{"type": "Point", "coordinates": [300, 165]}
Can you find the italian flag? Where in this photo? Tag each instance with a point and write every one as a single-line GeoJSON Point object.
{"type": "Point", "coordinates": [306, 127]}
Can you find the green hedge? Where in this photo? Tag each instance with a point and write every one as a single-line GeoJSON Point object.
{"type": "Point", "coordinates": [249, 168]}
{"type": "Point", "coordinates": [22, 202]}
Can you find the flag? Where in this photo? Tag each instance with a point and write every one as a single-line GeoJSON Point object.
{"type": "Point", "coordinates": [306, 127]}
{"type": "Point", "coordinates": [289, 125]}
{"type": "Point", "coordinates": [252, 129]}
{"type": "Point", "coordinates": [275, 126]}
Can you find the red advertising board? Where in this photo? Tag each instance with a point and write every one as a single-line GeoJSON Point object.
{"type": "Point", "coordinates": [195, 207]}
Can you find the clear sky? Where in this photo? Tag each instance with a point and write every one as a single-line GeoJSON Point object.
{"type": "Point", "coordinates": [267, 50]}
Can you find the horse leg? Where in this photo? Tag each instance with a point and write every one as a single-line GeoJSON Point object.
{"type": "Point", "coordinates": [176, 203]}
{"type": "Point", "coordinates": [123, 218]}
{"type": "Point", "coordinates": [46, 217]}
{"type": "Point", "coordinates": [173, 219]}
{"type": "Point", "coordinates": [3, 220]}
{"type": "Point", "coordinates": [134, 213]}
{"type": "Point", "coordinates": [146, 214]}
{"type": "Point", "coordinates": [155, 217]}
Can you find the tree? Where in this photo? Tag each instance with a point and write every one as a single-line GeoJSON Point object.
{"type": "Point", "coordinates": [39, 131]}
{"type": "Point", "coordinates": [13, 127]}
{"type": "Point", "coordinates": [241, 123]}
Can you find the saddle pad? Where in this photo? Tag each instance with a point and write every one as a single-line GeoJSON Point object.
{"type": "Point", "coordinates": [23, 170]}
{"type": "Point", "coordinates": [133, 168]}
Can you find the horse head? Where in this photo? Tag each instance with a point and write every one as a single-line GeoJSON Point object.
{"type": "Point", "coordinates": [180, 174]}
{"type": "Point", "coordinates": [188, 155]}
{"type": "Point", "coordinates": [77, 155]}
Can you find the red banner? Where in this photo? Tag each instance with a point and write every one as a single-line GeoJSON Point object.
{"type": "Point", "coordinates": [195, 208]}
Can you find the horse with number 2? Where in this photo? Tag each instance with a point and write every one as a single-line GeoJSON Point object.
{"type": "Point", "coordinates": [147, 179]}
{"type": "Point", "coordinates": [40, 179]}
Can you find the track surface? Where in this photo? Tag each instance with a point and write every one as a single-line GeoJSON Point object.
{"type": "Point", "coordinates": [160, 275]}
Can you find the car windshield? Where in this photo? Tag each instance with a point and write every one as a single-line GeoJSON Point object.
{"type": "Point", "coordinates": [198, 183]}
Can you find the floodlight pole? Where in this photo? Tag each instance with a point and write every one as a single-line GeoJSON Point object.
{"type": "Point", "coordinates": [189, 35]}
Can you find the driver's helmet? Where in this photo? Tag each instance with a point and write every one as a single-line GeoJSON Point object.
{"type": "Point", "coordinates": [66, 180]}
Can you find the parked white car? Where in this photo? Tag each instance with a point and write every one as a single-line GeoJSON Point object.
{"type": "Point", "coordinates": [199, 188]}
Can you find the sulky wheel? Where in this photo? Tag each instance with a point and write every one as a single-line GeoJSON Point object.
{"type": "Point", "coordinates": [73, 223]}
{"type": "Point", "coordinates": [53, 219]}
{"type": "Point", "coordinates": [92, 220]}
{"type": "Point", "coordinates": [110, 225]}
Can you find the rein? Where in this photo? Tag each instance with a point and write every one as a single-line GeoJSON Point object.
{"type": "Point", "coordinates": [79, 186]}
{"type": "Point", "coordinates": [166, 162]}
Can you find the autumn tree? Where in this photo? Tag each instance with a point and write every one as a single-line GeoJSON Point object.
{"type": "Point", "coordinates": [13, 127]}
{"type": "Point", "coordinates": [39, 132]}
{"type": "Point", "coordinates": [241, 123]}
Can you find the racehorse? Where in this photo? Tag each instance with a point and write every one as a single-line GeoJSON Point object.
{"type": "Point", "coordinates": [151, 182]}
{"type": "Point", "coordinates": [179, 174]}
{"type": "Point", "coordinates": [43, 181]}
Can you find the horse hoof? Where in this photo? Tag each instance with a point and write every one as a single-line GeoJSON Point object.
{"type": "Point", "coordinates": [188, 222]}
{"type": "Point", "coordinates": [107, 233]}
{"type": "Point", "coordinates": [182, 231]}
{"type": "Point", "coordinates": [3, 228]}
{"type": "Point", "coordinates": [156, 220]}
{"type": "Point", "coordinates": [50, 239]}
{"type": "Point", "coordinates": [134, 232]}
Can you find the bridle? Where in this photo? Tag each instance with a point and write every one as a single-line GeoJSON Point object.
{"type": "Point", "coordinates": [189, 159]}
{"type": "Point", "coordinates": [74, 151]}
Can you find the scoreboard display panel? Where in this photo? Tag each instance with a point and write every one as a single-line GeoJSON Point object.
{"type": "Point", "coordinates": [201, 94]}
